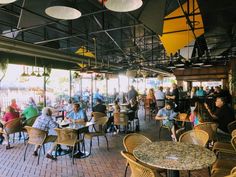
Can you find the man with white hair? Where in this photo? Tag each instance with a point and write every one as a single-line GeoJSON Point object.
{"type": "Point", "coordinates": [45, 122]}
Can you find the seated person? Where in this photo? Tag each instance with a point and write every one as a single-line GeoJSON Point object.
{"type": "Point", "coordinates": [77, 114]}
{"type": "Point", "coordinates": [14, 106]}
{"type": "Point", "coordinates": [30, 112]}
{"type": "Point", "coordinates": [200, 113]}
{"type": "Point", "coordinates": [45, 122]}
{"type": "Point", "coordinates": [167, 116]}
{"type": "Point", "coordinates": [99, 107]}
{"type": "Point", "coordinates": [8, 116]}
{"type": "Point", "coordinates": [223, 115]}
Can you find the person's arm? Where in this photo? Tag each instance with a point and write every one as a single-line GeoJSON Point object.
{"type": "Point", "coordinates": [160, 116]}
{"type": "Point", "coordinates": [172, 115]}
{"type": "Point", "coordinates": [210, 112]}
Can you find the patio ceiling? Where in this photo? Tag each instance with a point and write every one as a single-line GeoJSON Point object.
{"type": "Point", "coordinates": [125, 40]}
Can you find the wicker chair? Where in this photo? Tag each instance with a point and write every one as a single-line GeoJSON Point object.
{"type": "Point", "coordinates": [198, 137]}
{"type": "Point", "coordinates": [121, 118]}
{"type": "Point", "coordinates": [230, 148]}
{"type": "Point", "coordinates": [138, 169]}
{"type": "Point", "coordinates": [223, 165]}
{"type": "Point", "coordinates": [36, 137]}
{"type": "Point", "coordinates": [101, 132]}
{"type": "Point", "coordinates": [233, 171]}
{"type": "Point", "coordinates": [68, 137]}
{"type": "Point", "coordinates": [12, 127]}
{"type": "Point", "coordinates": [131, 141]}
{"type": "Point", "coordinates": [97, 115]}
{"type": "Point", "coordinates": [231, 126]}
{"type": "Point", "coordinates": [210, 128]}
{"type": "Point", "coordinates": [233, 133]}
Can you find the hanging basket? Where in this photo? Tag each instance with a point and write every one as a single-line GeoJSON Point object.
{"type": "Point", "coordinates": [131, 73]}
{"type": "Point", "coordinates": [160, 77]}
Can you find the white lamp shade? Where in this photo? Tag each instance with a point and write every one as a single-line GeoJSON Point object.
{"type": "Point", "coordinates": [131, 73]}
{"type": "Point", "coordinates": [6, 1]}
{"type": "Point", "coordinates": [123, 5]}
{"type": "Point", "coordinates": [62, 10]}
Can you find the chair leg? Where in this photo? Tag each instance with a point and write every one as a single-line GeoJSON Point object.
{"type": "Point", "coordinates": [72, 155]}
{"type": "Point", "coordinates": [43, 149]}
{"type": "Point", "coordinates": [39, 154]}
{"type": "Point", "coordinates": [98, 140]}
{"type": "Point", "coordinates": [13, 138]}
{"type": "Point", "coordinates": [90, 146]}
{"type": "Point", "coordinates": [126, 168]}
{"type": "Point", "coordinates": [107, 142]}
{"type": "Point", "coordinates": [25, 151]}
{"type": "Point", "coordinates": [56, 151]}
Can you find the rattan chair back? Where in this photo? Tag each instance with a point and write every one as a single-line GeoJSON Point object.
{"type": "Point", "coordinates": [231, 126]}
{"type": "Point", "coordinates": [14, 126]}
{"type": "Point", "coordinates": [198, 137]}
{"type": "Point", "coordinates": [66, 136]}
{"type": "Point", "coordinates": [209, 127]}
{"type": "Point", "coordinates": [233, 133]}
{"type": "Point", "coordinates": [138, 169]}
{"type": "Point", "coordinates": [233, 142]}
{"type": "Point", "coordinates": [97, 115]}
{"type": "Point", "coordinates": [182, 116]}
{"type": "Point", "coordinates": [233, 171]}
{"type": "Point", "coordinates": [132, 140]}
{"type": "Point", "coordinates": [36, 136]}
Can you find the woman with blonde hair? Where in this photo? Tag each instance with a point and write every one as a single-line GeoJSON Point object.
{"type": "Point", "coordinates": [151, 98]}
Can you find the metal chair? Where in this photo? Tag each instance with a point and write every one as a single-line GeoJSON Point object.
{"type": "Point", "coordinates": [101, 122]}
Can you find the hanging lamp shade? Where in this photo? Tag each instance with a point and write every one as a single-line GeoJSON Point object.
{"type": "Point", "coordinates": [63, 10]}
{"type": "Point", "coordinates": [123, 5]}
{"type": "Point", "coordinates": [7, 1]}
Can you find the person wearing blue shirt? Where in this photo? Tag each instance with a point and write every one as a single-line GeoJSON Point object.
{"type": "Point", "coordinates": [97, 95]}
{"type": "Point", "coordinates": [77, 114]}
{"type": "Point", "coordinates": [167, 116]}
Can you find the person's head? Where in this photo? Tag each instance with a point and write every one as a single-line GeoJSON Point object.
{"type": "Point", "coordinates": [201, 88]}
{"type": "Point", "coordinates": [168, 105]}
{"type": "Point", "coordinates": [174, 85]}
{"type": "Point", "coordinates": [131, 87]}
{"type": "Point", "coordinates": [116, 102]}
{"type": "Point", "coordinates": [99, 101]}
{"type": "Point", "coordinates": [13, 101]}
{"type": "Point", "coordinates": [70, 101]}
{"type": "Point", "coordinates": [76, 107]}
{"type": "Point", "coordinates": [47, 111]}
{"type": "Point", "coordinates": [220, 101]}
{"type": "Point", "coordinates": [97, 90]}
{"type": "Point", "coordinates": [9, 109]}
{"type": "Point", "coordinates": [217, 89]}
{"type": "Point", "coordinates": [161, 88]}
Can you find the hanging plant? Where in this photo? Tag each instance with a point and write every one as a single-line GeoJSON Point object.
{"type": "Point", "coordinates": [3, 68]}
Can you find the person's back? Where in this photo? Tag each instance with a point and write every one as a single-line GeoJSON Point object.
{"type": "Point", "coordinates": [99, 107]}
{"type": "Point", "coordinates": [30, 112]}
{"type": "Point", "coordinates": [225, 115]}
{"type": "Point", "coordinates": [10, 114]}
{"type": "Point", "coordinates": [132, 94]}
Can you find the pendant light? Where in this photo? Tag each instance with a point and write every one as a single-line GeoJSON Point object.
{"type": "Point", "coordinates": [38, 75]}
{"type": "Point", "coordinates": [7, 1]}
{"type": "Point", "coordinates": [63, 10]}
{"type": "Point", "coordinates": [123, 5]}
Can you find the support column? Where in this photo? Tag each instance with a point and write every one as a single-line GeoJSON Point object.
{"type": "Point", "coordinates": [70, 81]}
{"type": "Point", "coordinates": [91, 90]}
{"type": "Point", "coordinates": [44, 87]}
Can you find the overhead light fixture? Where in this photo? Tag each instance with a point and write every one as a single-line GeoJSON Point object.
{"type": "Point", "coordinates": [38, 75]}
{"type": "Point", "coordinates": [123, 5]}
{"type": "Point", "coordinates": [63, 10]}
{"type": "Point", "coordinates": [7, 1]}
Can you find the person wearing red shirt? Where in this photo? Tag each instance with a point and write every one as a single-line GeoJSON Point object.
{"type": "Point", "coordinates": [8, 116]}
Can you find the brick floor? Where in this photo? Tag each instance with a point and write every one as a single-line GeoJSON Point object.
{"type": "Point", "coordinates": [101, 163]}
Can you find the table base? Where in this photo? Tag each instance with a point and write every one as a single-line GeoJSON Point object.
{"type": "Point", "coordinates": [172, 173]}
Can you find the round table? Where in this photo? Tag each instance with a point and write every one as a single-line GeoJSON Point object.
{"type": "Point", "coordinates": [174, 156]}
